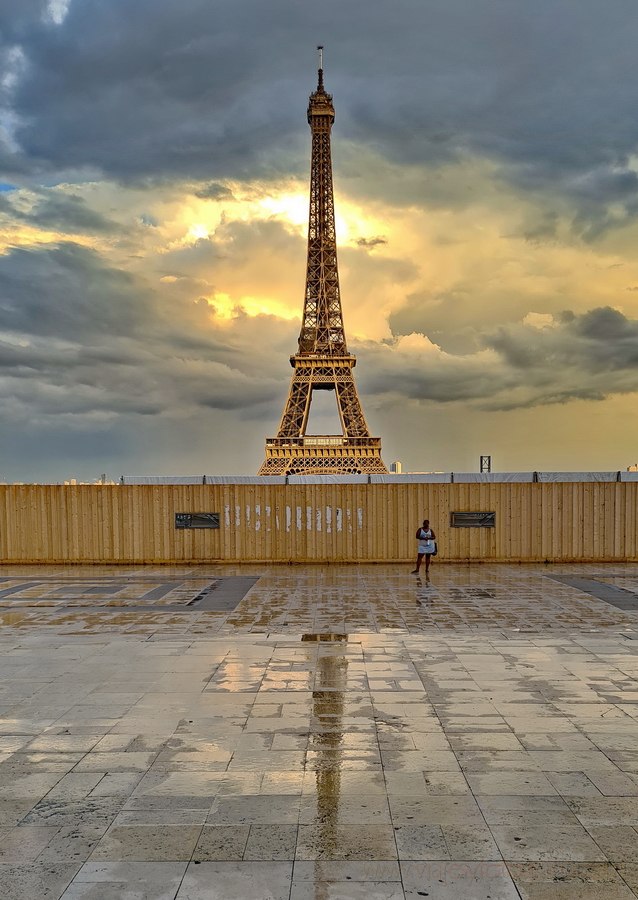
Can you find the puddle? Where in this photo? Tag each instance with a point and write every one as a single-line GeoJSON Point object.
{"type": "Point", "coordinates": [328, 701]}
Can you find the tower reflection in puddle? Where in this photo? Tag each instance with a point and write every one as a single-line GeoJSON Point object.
{"type": "Point", "coordinates": [326, 735]}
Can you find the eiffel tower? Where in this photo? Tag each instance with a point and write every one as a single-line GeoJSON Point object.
{"type": "Point", "coordinates": [322, 361]}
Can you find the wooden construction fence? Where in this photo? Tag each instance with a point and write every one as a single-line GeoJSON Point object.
{"type": "Point", "coordinates": [577, 521]}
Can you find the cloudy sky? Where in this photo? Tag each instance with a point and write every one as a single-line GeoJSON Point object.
{"type": "Point", "coordinates": [154, 160]}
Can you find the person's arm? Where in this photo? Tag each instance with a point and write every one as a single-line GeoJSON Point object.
{"type": "Point", "coordinates": [433, 534]}
{"type": "Point", "coordinates": [418, 534]}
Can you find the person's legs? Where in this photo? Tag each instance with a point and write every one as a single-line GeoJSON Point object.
{"type": "Point", "coordinates": [419, 559]}
{"type": "Point", "coordinates": [428, 557]}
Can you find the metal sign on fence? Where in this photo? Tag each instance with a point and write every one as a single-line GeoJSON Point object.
{"type": "Point", "coordinates": [196, 520]}
{"type": "Point", "coordinates": [473, 519]}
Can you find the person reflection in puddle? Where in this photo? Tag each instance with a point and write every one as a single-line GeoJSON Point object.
{"type": "Point", "coordinates": [425, 537]}
{"type": "Point", "coordinates": [424, 595]}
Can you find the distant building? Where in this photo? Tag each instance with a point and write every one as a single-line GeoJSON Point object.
{"type": "Point", "coordinates": [396, 468]}
{"type": "Point", "coordinates": [633, 468]}
{"type": "Point", "coordinates": [101, 480]}
{"type": "Point", "coordinates": [485, 464]}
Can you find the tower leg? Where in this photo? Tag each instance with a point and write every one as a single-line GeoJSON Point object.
{"type": "Point", "coordinates": [350, 411]}
{"type": "Point", "coordinates": [295, 415]}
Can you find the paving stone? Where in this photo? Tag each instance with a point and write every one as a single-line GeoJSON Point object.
{"type": "Point", "coordinates": [614, 785]}
{"type": "Point", "coordinates": [334, 890]}
{"type": "Point", "coordinates": [262, 809]}
{"type": "Point", "coordinates": [421, 842]}
{"type": "Point", "coordinates": [23, 843]}
{"type": "Point", "coordinates": [326, 871]}
{"type": "Point", "coordinates": [573, 784]}
{"type": "Point", "coordinates": [532, 783]}
{"type": "Point", "coordinates": [629, 872]}
{"type": "Point", "coordinates": [420, 761]}
{"type": "Point", "coordinates": [453, 880]}
{"type": "Point", "coordinates": [236, 881]}
{"type": "Point", "coordinates": [115, 762]}
{"type": "Point", "coordinates": [116, 784]}
{"type": "Point", "coordinates": [43, 881]}
{"type": "Point", "coordinates": [117, 891]}
{"type": "Point", "coordinates": [271, 842]}
{"type": "Point", "coordinates": [569, 881]}
{"type": "Point", "coordinates": [26, 786]}
{"type": "Point", "coordinates": [470, 843]}
{"type": "Point", "coordinates": [72, 844]}
{"type": "Point", "coordinates": [352, 842]}
{"type": "Point", "coordinates": [435, 810]}
{"type": "Point", "coordinates": [174, 816]}
{"type": "Point", "coordinates": [521, 810]}
{"type": "Point", "coordinates": [605, 810]}
{"type": "Point", "coordinates": [12, 812]}
{"type": "Point", "coordinates": [75, 786]}
{"type": "Point", "coordinates": [73, 812]}
{"type": "Point", "coordinates": [59, 743]}
{"type": "Point", "coordinates": [144, 843]}
{"type": "Point", "coordinates": [546, 842]}
{"type": "Point", "coordinates": [174, 789]}
{"type": "Point", "coordinates": [619, 843]}
{"type": "Point", "coordinates": [368, 809]}
{"type": "Point", "coordinates": [120, 880]}
{"type": "Point", "coordinates": [569, 761]}
{"type": "Point", "coordinates": [223, 842]}
{"type": "Point", "coordinates": [485, 741]}
{"type": "Point", "coordinates": [485, 761]}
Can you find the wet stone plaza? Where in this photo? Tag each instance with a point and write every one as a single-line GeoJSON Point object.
{"type": "Point", "coordinates": [319, 733]}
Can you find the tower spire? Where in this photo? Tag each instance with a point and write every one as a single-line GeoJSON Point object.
{"type": "Point", "coordinates": [322, 361]}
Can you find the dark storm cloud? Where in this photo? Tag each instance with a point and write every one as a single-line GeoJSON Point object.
{"type": "Point", "coordinates": [18, 19]}
{"type": "Point", "coordinates": [371, 243]}
{"type": "Point", "coordinates": [589, 356]}
{"type": "Point", "coordinates": [59, 211]}
{"type": "Point", "coordinates": [145, 89]}
{"type": "Point", "coordinates": [139, 89]}
{"type": "Point", "coordinates": [599, 341]}
{"type": "Point", "coordinates": [80, 338]}
{"type": "Point", "coordinates": [65, 291]}
{"type": "Point", "coordinates": [214, 191]}
{"type": "Point", "coordinates": [68, 213]}
{"type": "Point", "coordinates": [455, 319]}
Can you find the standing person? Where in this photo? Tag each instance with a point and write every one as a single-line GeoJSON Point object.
{"type": "Point", "coordinates": [425, 546]}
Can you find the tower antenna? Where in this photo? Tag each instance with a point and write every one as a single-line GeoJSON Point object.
{"type": "Point", "coordinates": [320, 50]}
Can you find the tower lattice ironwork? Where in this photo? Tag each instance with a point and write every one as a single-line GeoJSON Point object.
{"type": "Point", "coordinates": [322, 361]}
